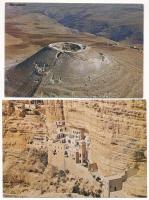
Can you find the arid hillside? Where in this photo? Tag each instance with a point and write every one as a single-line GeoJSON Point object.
{"type": "Point", "coordinates": [106, 68]}
{"type": "Point", "coordinates": [117, 138]}
{"type": "Point", "coordinates": [119, 22]}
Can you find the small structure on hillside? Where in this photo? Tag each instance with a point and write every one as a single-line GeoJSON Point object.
{"type": "Point", "coordinates": [39, 142]}
{"type": "Point", "coordinates": [60, 133]}
{"type": "Point", "coordinates": [60, 123]}
{"type": "Point", "coordinates": [37, 102]}
{"type": "Point", "coordinates": [30, 106]}
{"type": "Point", "coordinates": [39, 69]}
{"type": "Point", "coordinates": [19, 109]}
{"type": "Point", "coordinates": [93, 167]}
{"type": "Point", "coordinates": [112, 184]}
{"type": "Point", "coordinates": [33, 104]}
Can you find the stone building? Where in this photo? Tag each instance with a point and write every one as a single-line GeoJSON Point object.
{"type": "Point", "coordinates": [60, 123]}
{"type": "Point", "coordinates": [60, 132]}
{"type": "Point", "coordinates": [70, 143]}
{"type": "Point", "coordinates": [39, 142]}
{"type": "Point", "coordinates": [112, 184]}
{"type": "Point", "coordinates": [30, 106]}
{"type": "Point", "coordinates": [93, 167]}
{"type": "Point", "coordinates": [77, 146]}
{"type": "Point", "coordinates": [83, 153]}
{"type": "Point", "coordinates": [78, 133]}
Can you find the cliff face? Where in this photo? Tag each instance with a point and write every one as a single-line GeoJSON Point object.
{"type": "Point", "coordinates": [22, 120]}
{"type": "Point", "coordinates": [117, 131]}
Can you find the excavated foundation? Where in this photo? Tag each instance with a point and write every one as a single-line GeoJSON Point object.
{"type": "Point", "coordinates": [67, 47]}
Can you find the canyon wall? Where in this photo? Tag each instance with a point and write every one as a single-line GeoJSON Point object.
{"type": "Point", "coordinates": [22, 120]}
{"type": "Point", "coordinates": [117, 130]}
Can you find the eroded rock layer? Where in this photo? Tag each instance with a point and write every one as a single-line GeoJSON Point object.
{"type": "Point", "coordinates": [116, 128]}
{"type": "Point", "coordinates": [117, 131]}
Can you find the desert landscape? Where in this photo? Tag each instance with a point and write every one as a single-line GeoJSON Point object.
{"type": "Point", "coordinates": [74, 148]}
{"type": "Point", "coordinates": [74, 50]}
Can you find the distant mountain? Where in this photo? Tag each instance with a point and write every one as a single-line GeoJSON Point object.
{"type": "Point", "coordinates": [118, 22]}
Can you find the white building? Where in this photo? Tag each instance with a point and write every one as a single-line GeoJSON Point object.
{"type": "Point", "coordinates": [77, 146]}
{"type": "Point", "coordinates": [30, 106]}
{"type": "Point", "coordinates": [112, 184]}
{"type": "Point", "coordinates": [60, 133]}
{"type": "Point", "coordinates": [39, 142]}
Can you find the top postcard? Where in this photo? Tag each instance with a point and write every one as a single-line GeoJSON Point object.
{"type": "Point", "coordinates": [73, 50]}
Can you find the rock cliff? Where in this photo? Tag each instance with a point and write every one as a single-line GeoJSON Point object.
{"type": "Point", "coordinates": [117, 130]}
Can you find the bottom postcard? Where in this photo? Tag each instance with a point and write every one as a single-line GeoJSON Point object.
{"type": "Point", "coordinates": [74, 148]}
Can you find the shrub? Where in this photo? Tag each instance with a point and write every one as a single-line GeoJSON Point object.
{"type": "Point", "coordinates": [61, 173]}
{"type": "Point", "coordinates": [76, 189]}
{"type": "Point", "coordinates": [67, 171]}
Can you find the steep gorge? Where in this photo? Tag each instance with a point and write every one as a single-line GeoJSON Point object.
{"type": "Point", "coordinates": [117, 130]}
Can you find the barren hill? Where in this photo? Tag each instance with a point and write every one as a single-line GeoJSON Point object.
{"type": "Point", "coordinates": [105, 68]}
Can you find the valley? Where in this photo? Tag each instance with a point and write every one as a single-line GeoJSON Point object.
{"type": "Point", "coordinates": [108, 68]}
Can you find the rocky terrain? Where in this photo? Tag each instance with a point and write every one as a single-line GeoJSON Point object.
{"type": "Point", "coordinates": [117, 130]}
{"type": "Point", "coordinates": [119, 22]}
{"type": "Point", "coordinates": [109, 67]}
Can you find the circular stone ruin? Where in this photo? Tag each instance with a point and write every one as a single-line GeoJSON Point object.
{"type": "Point", "coordinates": [67, 47]}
